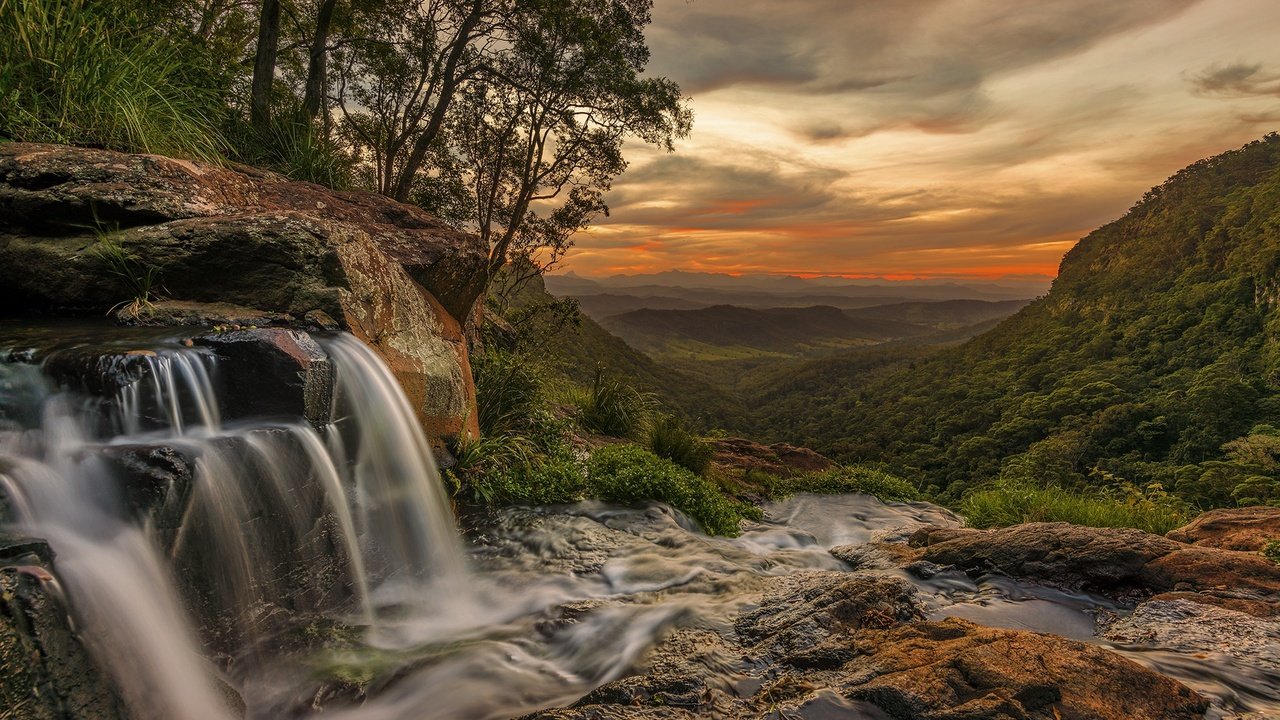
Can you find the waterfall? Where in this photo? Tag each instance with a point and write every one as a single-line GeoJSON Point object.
{"type": "Point", "coordinates": [231, 519]}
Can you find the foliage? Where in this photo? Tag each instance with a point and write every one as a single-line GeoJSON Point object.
{"type": "Point", "coordinates": [296, 147]}
{"type": "Point", "coordinates": [97, 74]}
{"type": "Point", "coordinates": [541, 481]}
{"type": "Point", "coordinates": [510, 392]}
{"type": "Point", "coordinates": [614, 408]}
{"type": "Point", "coordinates": [1010, 503]}
{"type": "Point", "coordinates": [671, 438]}
{"type": "Point", "coordinates": [1271, 551]}
{"type": "Point", "coordinates": [1152, 360]}
{"type": "Point", "coordinates": [140, 280]}
{"type": "Point", "coordinates": [844, 480]}
{"type": "Point", "coordinates": [629, 474]}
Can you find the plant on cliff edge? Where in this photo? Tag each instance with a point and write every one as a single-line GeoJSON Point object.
{"type": "Point", "coordinates": [96, 74]}
{"type": "Point", "coordinates": [614, 408]}
{"type": "Point", "coordinates": [672, 439]}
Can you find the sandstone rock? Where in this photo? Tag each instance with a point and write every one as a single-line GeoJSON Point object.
{"type": "Point", "coordinates": [777, 459]}
{"type": "Point", "coordinates": [956, 669]}
{"type": "Point", "coordinates": [181, 312]}
{"type": "Point", "coordinates": [392, 274]}
{"type": "Point", "coordinates": [1246, 529]}
{"type": "Point", "coordinates": [1119, 562]}
{"type": "Point", "coordinates": [829, 644]}
{"type": "Point", "coordinates": [1187, 625]}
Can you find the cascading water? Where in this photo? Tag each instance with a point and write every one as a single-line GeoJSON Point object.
{"type": "Point", "coordinates": [266, 506]}
{"type": "Point", "coordinates": [299, 567]}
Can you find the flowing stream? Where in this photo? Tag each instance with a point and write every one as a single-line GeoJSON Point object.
{"type": "Point", "coordinates": [311, 567]}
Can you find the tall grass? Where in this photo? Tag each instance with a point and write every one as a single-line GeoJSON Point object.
{"type": "Point", "coordinates": [90, 73]}
{"type": "Point", "coordinates": [295, 147]}
{"type": "Point", "coordinates": [614, 408]}
{"type": "Point", "coordinates": [671, 438]}
{"type": "Point", "coordinates": [1010, 503]}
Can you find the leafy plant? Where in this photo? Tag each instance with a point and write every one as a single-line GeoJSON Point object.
{"type": "Point", "coordinates": [844, 480]}
{"type": "Point", "coordinates": [141, 279]}
{"type": "Point", "coordinates": [1271, 551]}
{"type": "Point", "coordinates": [614, 408]}
{"type": "Point", "coordinates": [629, 474]}
{"type": "Point", "coordinates": [672, 439]}
{"type": "Point", "coordinates": [92, 73]}
{"type": "Point", "coordinates": [510, 391]}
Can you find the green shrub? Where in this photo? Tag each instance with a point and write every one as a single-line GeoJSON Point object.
{"type": "Point", "coordinates": [845, 480]}
{"type": "Point", "coordinates": [614, 408]}
{"type": "Point", "coordinates": [1271, 551]}
{"type": "Point", "coordinates": [629, 474]}
{"type": "Point", "coordinates": [293, 146]}
{"type": "Point", "coordinates": [1007, 504]}
{"type": "Point", "coordinates": [543, 481]}
{"type": "Point", "coordinates": [509, 392]}
{"type": "Point", "coordinates": [671, 438]}
{"type": "Point", "coordinates": [92, 73]}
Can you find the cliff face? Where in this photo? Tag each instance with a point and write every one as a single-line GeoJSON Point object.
{"type": "Point", "coordinates": [86, 231]}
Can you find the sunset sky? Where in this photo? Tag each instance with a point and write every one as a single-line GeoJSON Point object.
{"type": "Point", "coordinates": [927, 138]}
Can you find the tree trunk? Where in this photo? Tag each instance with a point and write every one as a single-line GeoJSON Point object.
{"type": "Point", "coordinates": [317, 65]}
{"type": "Point", "coordinates": [448, 85]}
{"type": "Point", "coordinates": [264, 64]}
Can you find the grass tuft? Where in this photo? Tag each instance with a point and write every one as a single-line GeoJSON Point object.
{"type": "Point", "coordinates": [671, 438]}
{"type": "Point", "coordinates": [1011, 503]}
{"type": "Point", "coordinates": [614, 408]}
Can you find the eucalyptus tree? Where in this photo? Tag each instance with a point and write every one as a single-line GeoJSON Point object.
{"type": "Point", "coordinates": [537, 137]}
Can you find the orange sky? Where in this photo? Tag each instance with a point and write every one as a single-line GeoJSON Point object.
{"type": "Point", "coordinates": [927, 138]}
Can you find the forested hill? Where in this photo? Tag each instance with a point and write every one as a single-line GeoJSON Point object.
{"type": "Point", "coordinates": [1152, 359]}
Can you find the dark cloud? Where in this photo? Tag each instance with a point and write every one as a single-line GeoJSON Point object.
{"type": "Point", "coordinates": [1236, 80]}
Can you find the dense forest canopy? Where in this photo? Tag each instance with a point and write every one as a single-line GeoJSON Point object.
{"type": "Point", "coordinates": [1153, 360]}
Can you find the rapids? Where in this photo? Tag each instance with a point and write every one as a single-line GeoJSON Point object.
{"type": "Point", "coordinates": [321, 567]}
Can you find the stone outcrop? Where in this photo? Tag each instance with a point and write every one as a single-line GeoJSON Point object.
{"type": "Point", "coordinates": [253, 244]}
{"type": "Point", "coordinates": [777, 459]}
{"type": "Point", "coordinates": [1120, 562]}
{"type": "Point", "coordinates": [1245, 529]}
{"type": "Point", "coordinates": [835, 644]}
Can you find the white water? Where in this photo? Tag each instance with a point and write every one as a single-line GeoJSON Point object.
{"type": "Point", "coordinates": [439, 639]}
{"type": "Point", "coordinates": [251, 507]}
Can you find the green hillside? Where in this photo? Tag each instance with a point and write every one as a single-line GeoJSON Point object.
{"type": "Point", "coordinates": [1153, 359]}
{"type": "Point", "coordinates": [727, 332]}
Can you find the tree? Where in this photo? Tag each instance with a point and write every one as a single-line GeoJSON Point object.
{"type": "Point", "coordinates": [264, 64]}
{"type": "Point", "coordinates": [537, 137]}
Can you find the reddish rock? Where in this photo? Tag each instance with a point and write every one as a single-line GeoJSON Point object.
{"type": "Point", "coordinates": [1246, 529]}
{"type": "Point", "coordinates": [777, 459]}
{"type": "Point", "coordinates": [248, 244]}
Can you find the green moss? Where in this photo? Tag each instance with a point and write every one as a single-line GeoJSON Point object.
{"type": "Point", "coordinates": [628, 474]}
{"type": "Point", "coordinates": [1271, 551]}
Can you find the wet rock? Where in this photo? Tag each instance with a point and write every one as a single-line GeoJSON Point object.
{"type": "Point", "coordinates": [956, 669]}
{"type": "Point", "coordinates": [1245, 529]}
{"type": "Point", "coordinates": [155, 482]}
{"type": "Point", "coordinates": [805, 609]}
{"type": "Point", "coordinates": [1194, 627]}
{"type": "Point", "coordinates": [46, 673]}
{"type": "Point", "coordinates": [874, 555]}
{"type": "Point", "coordinates": [1119, 562]}
{"type": "Point", "coordinates": [834, 645]}
{"type": "Point", "coordinates": [273, 371]}
{"type": "Point", "coordinates": [392, 274]}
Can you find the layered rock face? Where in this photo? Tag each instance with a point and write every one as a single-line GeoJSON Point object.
{"type": "Point", "coordinates": [240, 243]}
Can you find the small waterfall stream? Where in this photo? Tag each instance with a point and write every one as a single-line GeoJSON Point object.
{"type": "Point", "coordinates": [267, 506]}
{"type": "Point", "coordinates": [264, 567]}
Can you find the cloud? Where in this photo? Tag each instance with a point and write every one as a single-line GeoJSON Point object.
{"type": "Point", "coordinates": [1236, 80]}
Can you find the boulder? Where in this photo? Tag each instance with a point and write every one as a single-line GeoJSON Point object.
{"type": "Point", "coordinates": [1246, 529]}
{"type": "Point", "coordinates": [392, 274]}
{"type": "Point", "coordinates": [272, 371]}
